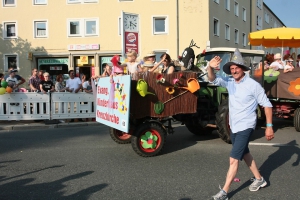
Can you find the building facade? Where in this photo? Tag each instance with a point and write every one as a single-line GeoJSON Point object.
{"type": "Point", "coordinates": [57, 36]}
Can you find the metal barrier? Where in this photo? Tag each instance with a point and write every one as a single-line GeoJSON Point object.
{"type": "Point", "coordinates": [37, 106]}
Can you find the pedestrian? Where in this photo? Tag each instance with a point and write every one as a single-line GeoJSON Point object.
{"type": "Point", "coordinates": [20, 79]}
{"type": "Point", "coordinates": [34, 81]}
{"type": "Point", "coordinates": [73, 85]}
{"type": "Point", "coordinates": [46, 85]}
{"type": "Point", "coordinates": [58, 85]}
{"type": "Point", "coordinates": [41, 75]}
{"type": "Point", "coordinates": [244, 96]}
{"type": "Point", "coordinates": [12, 80]}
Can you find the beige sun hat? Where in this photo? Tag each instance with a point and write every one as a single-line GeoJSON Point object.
{"type": "Point", "coordinates": [148, 64]}
{"type": "Point", "coordinates": [277, 56]}
{"type": "Point", "coordinates": [150, 54]}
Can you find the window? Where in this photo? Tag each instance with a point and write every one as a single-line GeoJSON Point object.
{"type": "Point", "coordinates": [10, 30]}
{"type": "Point", "coordinates": [40, 2]}
{"type": "Point", "coordinates": [258, 22]}
{"type": "Point", "coordinates": [227, 5]}
{"type": "Point", "coordinates": [216, 27]}
{"type": "Point", "coordinates": [244, 39]}
{"type": "Point", "coordinates": [236, 8]}
{"type": "Point", "coordinates": [40, 29]}
{"type": "Point", "coordinates": [160, 25]}
{"type": "Point", "coordinates": [227, 32]}
{"type": "Point", "coordinates": [83, 27]}
{"type": "Point", "coordinates": [275, 24]}
{"type": "Point", "coordinates": [236, 36]}
{"type": "Point", "coordinates": [9, 2]}
{"type": "Point", "coordinates": [267, 18]}
{"type": "Point", "coordinates": [10, 61]}
{"type": "Point", "coordinates": [244, 14]}
{"type": "Point", "coordinates": [258, 4]}
{"type": "Point", "coordinates": [217, 1]}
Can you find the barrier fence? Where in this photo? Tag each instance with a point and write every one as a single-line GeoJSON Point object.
{"type": "Point", "coordinates": [39, 106]}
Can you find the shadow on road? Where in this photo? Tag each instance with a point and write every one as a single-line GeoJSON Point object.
{"type": "Point", "coordinates": [25, 189]}
{"type": "Point", "coordinates": [274, 161]}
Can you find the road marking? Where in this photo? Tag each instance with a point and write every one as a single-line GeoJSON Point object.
{"type": "Point", "coordinates": [270, 144]}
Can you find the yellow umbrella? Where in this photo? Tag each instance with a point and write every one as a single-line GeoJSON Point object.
{"type": "Point", "coordinates": [276, 37]}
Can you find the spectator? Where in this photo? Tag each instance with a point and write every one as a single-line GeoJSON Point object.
{"type": "Point", "coordinates": [41, 76]}
{"type": "Point", "coordinates": [58, 85]}
{"type": "Point", "coordinates": [83, 78]}
{"type": "Point", "coordinates": [34, 81]}
{"type": "Point", "coordinates": [46, 85]}
{"type": "Point", "coordinates": [289, 65]}
{"type": "Point", "coordinates": [12, 80]}
{"type": "Point", "coordinates": [106, 70]}
{"type": "Point", "coordinates": [20, 79]}
{"type": "Point", "coordinates": [1, 77]}
{"type": "Point", "coordinates": [87, 87]}
{"type": "Point", "coordinates": [73, 85]}
{"type": "Point", "coordinates": [277, 64]}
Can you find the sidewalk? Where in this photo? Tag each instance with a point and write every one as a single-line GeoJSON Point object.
{"type": "Point", "coordinates": [34, 124]}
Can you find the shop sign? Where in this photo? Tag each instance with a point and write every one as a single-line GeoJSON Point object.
{"type": "Point", "coordinates": [78, 47]}
{"type": "Point", "coordinates": [56, 68]}
{"type": "Point", "coordinates": [84, 60]}
{"type": "Point", "coordinates": [107, 59]}
{"type": "Point", "coordinates": [113, 109]}
{"type": "Point", "coordinates": [51, 61]}
{"type": "Point", "coordinates": [29, 56]}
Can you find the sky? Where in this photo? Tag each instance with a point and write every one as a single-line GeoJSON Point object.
{"type": "Point", "coordinates": [288, 11]}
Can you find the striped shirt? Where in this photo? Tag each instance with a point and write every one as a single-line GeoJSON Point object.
{"type": "Point", "coordinates": [243, 100]}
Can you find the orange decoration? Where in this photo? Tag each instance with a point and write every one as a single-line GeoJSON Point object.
{"type": "Point", "coordinates": [295, 87]}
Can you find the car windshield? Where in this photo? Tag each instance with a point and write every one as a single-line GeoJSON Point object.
{"type": "Point", "coordinates": [225, 58]}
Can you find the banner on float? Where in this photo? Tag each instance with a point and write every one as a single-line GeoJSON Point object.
{"type": "Point", "coordinates": [113, 101]}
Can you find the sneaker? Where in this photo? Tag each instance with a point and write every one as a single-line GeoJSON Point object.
{"type": "Point", "coordinates": [61, 121]}
{"type": "Point", "coordinates": [222, 195]}
{"type": "Point", "coordinates": [257, 184]}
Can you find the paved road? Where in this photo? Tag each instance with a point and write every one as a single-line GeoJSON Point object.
{"type": "Point", "coordinates": [84, 163]}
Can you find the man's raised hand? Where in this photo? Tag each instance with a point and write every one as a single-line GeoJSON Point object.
{"type": "Point", "coordinates": [215, 62]}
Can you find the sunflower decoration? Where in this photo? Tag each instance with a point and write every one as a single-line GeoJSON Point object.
{"type": "Point", "coordinates": [271, 75]}
{"type": "Point", "coordinates": [148, 140]}
{"type": "Point", "coordinates": [170, 90]}
{"type": "Point", "coordinates": [295, 87]}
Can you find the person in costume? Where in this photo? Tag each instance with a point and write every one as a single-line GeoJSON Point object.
{"type": "Point", "coordinates": [244, 96]}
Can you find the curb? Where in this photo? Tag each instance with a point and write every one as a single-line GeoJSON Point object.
{"type": "Point", "coordinates": [51, 126]}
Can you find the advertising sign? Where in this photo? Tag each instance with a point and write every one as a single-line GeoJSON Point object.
{"type": "Point", "coordinates": [131, 41]}
{"type": "Point", "coordinates": [113, 101]}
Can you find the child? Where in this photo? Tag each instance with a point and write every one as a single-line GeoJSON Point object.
{"type": "Point", "coordinates": [132, 66]}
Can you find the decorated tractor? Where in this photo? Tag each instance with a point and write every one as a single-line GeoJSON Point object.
{"type": "Point", "coordinates": [157, 100]}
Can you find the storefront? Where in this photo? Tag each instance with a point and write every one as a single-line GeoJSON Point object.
{"type": "Point", "coordinates": [84, 65]}
{"type": "Point", "coordinates": [54, 66]}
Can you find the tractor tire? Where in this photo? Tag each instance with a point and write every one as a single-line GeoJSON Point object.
{"type": "Point", "coordinates": [119, 136]}
{"type": "Point", "coordinates": [222, 121]}
{"type": "Point", "coordinates": [297, 119]}
{"type": "Point", "coordinates": [197, 129]}
{"type": "Point", "coordinates": [148, 139]}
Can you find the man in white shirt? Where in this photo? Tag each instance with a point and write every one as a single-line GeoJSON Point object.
{"type": "Point", "coordinates": [73, 83]}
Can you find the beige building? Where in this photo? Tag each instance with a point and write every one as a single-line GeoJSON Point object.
{"type": "Point", "coordinates": [60, 35]}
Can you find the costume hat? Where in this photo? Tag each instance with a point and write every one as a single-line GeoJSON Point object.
{"type": "Point", "coordinates": [236, 59]}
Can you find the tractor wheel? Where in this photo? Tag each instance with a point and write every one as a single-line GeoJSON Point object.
{"type": "Point", "coordinates": [119, 136]}
{"type": "Point", "coordinates": [148, 139]}
{"type": "Point", "coordinates": [197, 129]}
{"type": "Point", "coordinates": [297, 119]}
{"type": "Point", "coordinates": [222, 121]}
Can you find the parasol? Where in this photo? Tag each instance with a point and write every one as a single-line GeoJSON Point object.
{"type": "Point", "coordinates": [276, 37]}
